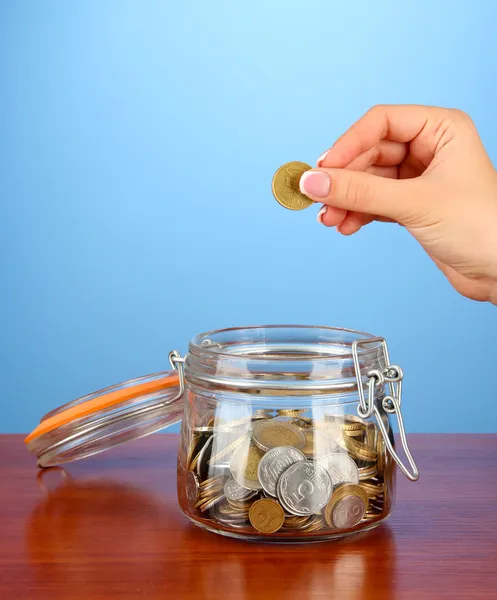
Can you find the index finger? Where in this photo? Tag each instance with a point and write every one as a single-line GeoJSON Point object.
{"type": "Point", "coordinates": [397, 123]}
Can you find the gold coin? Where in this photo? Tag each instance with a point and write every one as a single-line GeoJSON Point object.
{"type": "Point", "coordinates": [360, 449]}
{"type": "Point", "coordinates": [209, 482]}
{"type": "Point", "coordinates": [286, 186]}
{"type": "Point", "coordinates": [372, 489]}
{"type": "Point", "coordinates": [244, 463]}
{"type": "Point", "coordinates": [210, 503]}
{"type": "Point", "coordinates": [295, 522]}
{"type": "Point", "coordinates": [231, 511]}
{"type": "Point", "coordinates": [315, 525]}
{"type": "Point", "coordinates": [367, 472]}
{"type": "Point", "coordinates": [355, 433]}
{"type": "Point", "coordinates": [207, 501]}
{"type": "Point", "coordinates": [270, 434]}
{"type": "Point", "coordinates": [212, 486]}
{"type": "Point", "coordinates": [353, 429]}
{"type": "Point", "coordinates": [194, 462]}
{"type": "Point", "coordinates": [210, 493]}
{"type": "Point", "coordinates": [347, 490]}
{"type": "Point", "coordinates": [377, 508]}
{"type": "Point", "coordinates": [266, 515]}
{"type": "Point", "coordinates": [262, 413]}
{"type": "Point", "coordinates": [290, 412]}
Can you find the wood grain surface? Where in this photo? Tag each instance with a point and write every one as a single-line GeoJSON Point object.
{"type": "Point", "coordinates": [110, 527]}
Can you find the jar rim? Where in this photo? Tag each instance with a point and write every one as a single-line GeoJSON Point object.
{"type": "Point", "coordinates": [204, 343]}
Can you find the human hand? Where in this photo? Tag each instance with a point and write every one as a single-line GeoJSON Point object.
{"type": "Point", "coordinates": [426, 169]}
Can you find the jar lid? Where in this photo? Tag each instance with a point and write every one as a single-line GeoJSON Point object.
{"type": "Point", "coordinates": [106, 418]}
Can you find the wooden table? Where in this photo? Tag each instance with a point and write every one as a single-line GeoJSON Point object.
{"type": "Point", "coordinates": [112, 529]}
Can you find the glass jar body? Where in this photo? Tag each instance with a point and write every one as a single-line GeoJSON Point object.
{"type": "Point", "coordinates": [264, 458]}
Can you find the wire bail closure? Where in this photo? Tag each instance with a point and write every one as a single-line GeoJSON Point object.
{"type": "Point", "coordinates": [177, 363]}
{"type": "Point", "coordinates": [393, 375]}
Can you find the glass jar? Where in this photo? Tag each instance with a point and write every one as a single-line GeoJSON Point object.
{"type": "Point", "coordinates": [286, 432]}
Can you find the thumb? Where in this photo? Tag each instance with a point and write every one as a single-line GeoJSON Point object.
{"type": "Point", "coordinates": [361, 192]}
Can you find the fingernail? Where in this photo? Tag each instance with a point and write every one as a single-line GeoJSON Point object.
{"type": "Point", "coordinates": [322, 157]}
{"type": "Point", "coordinates": [315, 184]}
{"type": "Point", "coordinates": [320, 214]}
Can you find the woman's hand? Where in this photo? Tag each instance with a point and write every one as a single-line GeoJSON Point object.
{"type": "Point", "coordinates": [426, 169]}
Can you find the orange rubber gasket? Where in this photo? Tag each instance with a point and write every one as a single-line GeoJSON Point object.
{"type": "Point", "coordinates": [102, 402]}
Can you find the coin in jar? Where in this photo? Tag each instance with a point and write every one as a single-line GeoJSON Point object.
{"type": "Point", "coordinates": [315, 524]}
{"type": "Point", "coordinates": [347, 507]}
{"type": "Point", "coordinates": [266, 515]}
{"type": "Point", "coordinates": [272, 433]}
{"type": "Point", "coordinates": [230, 511]}
{"type": "Point", "coordinates": [372, 489]}
{"type": "Point", "coordinates": [348, 512]}
{"type": "Point", "coordinates": [318, 443]}
{"type": "Point", "coordinates": [262, 413]}
{"type": "Point", "coordinates": [236, 492]}
{"type": "Point", "coordinates": [290, 412]}
{"type": "Point", "coordinates": [192, 487]}
{"type": "Point", "coordinates": [202, 466]}
{"type": "Point", "coordinates": [367, 472]}
{"type": "Point", "coordinates": [208, 504]}
{"type": "Point", "coordinates": [193, 451]}
{"type": "Point", "coordinates": [295, 522]}
{"type": "Point", "coordinates": [286, 188]}
{"type": "Point", "coordinates": [340, 467]}
{"type": "Point", "coordinates": [244, 464]}
{"type": "Point", "coordinates": [274, 463]}
{"type": "Point", "coordinates": [360, 449]}
{"type": "Point", "coordinates": [304, 488]}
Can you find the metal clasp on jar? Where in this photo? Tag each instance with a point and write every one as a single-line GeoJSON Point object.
{"type": "Point", "coordinates": [393, 375]}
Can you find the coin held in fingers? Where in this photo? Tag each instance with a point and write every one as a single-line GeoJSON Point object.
{"type": "Point", "coordinates": [286, 188]}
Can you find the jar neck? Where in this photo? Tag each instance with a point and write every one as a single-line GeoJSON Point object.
{"type": "Point", "coordinates": [295, 360]}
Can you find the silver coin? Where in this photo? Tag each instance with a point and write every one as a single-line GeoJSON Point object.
{"type": "Point", "coordinates": [340, 467]}
{"type": "Point", "coordinates": [192, 487]}
{"type": "Point", "coordinates": [304, 488]}
{"type": "Point", "coordinates": [234, 491]}
{"type": "Point", "coordinates": [274, 463]}
{"type": "Point", "coordinates": [348, 512]}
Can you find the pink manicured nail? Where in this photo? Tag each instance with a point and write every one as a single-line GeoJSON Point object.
{"type": "Point", "coordinates": [315, 184]}
{"type": "Point", "coordinates": [320, 214]}
{"type": "Point", "coordinates": [322, 157]}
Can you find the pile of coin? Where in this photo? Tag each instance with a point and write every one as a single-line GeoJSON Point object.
{"type": "Point", "coordinates": [283, 472]}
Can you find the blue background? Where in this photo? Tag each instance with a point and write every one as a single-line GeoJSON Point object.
{"type": "Point", "coordinates": [137, 145]}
